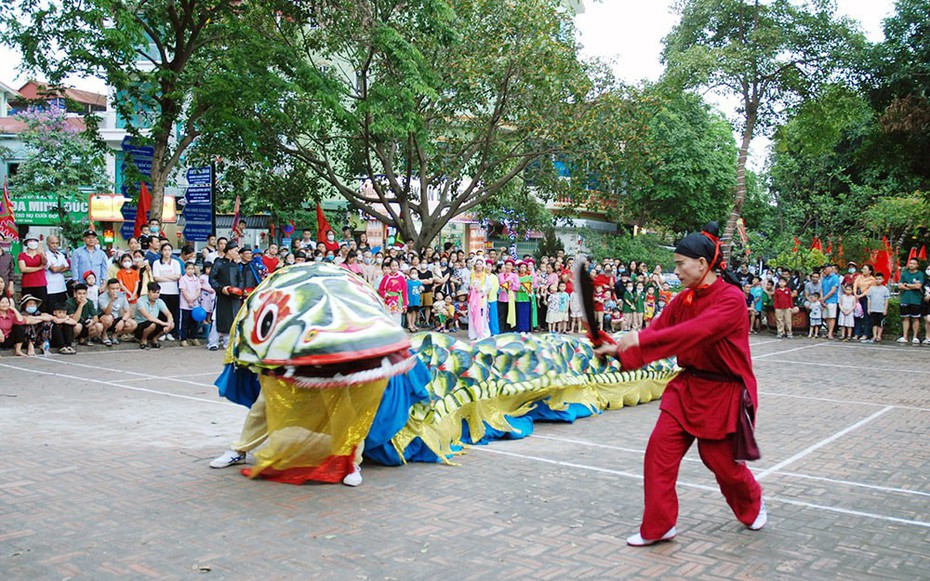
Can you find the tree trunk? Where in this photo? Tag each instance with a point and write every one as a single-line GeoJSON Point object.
{"type": "Point", "coordinates": [158, 176]}
{"type": "Point", "coordinates": [740, 197]}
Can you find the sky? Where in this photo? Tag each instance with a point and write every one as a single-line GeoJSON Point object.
{"type": "Point", "coordinates": [628, 34]}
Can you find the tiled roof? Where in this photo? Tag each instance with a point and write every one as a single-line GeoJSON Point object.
{"type": "Point", "coordinates": [36, 90]}
{"type": "Point", "coordinates": [12, 125]}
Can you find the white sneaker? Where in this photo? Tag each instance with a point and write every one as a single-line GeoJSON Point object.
{"type": "Point", "coordinates": [638, 541]}
{"type": "Point", "coordinates": [915, 341]}
{"type": "Point", "coordinates": [927, 341]}
{"type": "Point", "coordinates": [229, 458]}
{"type": "Point", "coordinates": [354, 478]}
{"type": "Point", "coordinates": [761, 518]}
{"type": "Point", "coordinates": [902, 340]}
{"type": "Point", "coordinates": [170, 337]}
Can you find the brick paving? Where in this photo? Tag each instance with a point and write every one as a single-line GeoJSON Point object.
{"type": "Point", "coordinates": [106, 477]}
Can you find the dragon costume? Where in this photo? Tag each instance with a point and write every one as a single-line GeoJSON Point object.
{"type": "Point", "coordinates": [337, 373]}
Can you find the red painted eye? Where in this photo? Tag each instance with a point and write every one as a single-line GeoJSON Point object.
{"type": "Point", "coordinates": [267, 317]}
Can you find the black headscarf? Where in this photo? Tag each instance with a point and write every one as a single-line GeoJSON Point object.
{"type": "Point", "coordinates": [706, 245]}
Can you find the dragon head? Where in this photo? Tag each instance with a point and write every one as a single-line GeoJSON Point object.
{"type": "Point", "coordinates": [319, 325]}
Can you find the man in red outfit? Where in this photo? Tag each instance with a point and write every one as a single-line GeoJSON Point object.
{"type": "Point", "coordinates": [707, 329]}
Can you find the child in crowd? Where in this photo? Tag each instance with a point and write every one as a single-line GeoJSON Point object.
{"type": "Point", "coordinates": [414, 290]}
{"type": "Point", "coordinates": [552, 310]}
{"type": "Point", "coordinates": [440, 312]}
{"type": "Point", "coordinates": [649, 306]}
{"type": "Point", "coordinates": [460, 307]}
{"type": "Point", "coordinates": [93, 292]}
{"type": "Point", "coordinates": [616, 319]}
{"type": "Point", "coordinates": [846, 319]}
{"type": "Point", "coordinates": [878, 307]}
{"type": "Point", "coordinates": [564, 299]}
{"type": "Point", "coordinates": [600, 300]}
{"type": "Point", "coordinates": [639, 307]}
{"type": "Point", "coordinates": [784, 303]}
{"type": "Point", "coordinates": [574, 311]}
{"type": "Point", "coordinates": [629, 306]}
{"type": "Point", "coordinates": [755, 310]}
{"type": "Point", "coordinates": [189, 287]}
{"type": "Point", "coordinates": [815, 315]}
{"type": "Point", "coordinates": [767, 304]}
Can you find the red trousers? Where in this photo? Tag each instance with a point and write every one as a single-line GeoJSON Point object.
{"type": "Point", "coordinates": [668, 444]}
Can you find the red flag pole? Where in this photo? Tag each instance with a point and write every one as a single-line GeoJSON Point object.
{"type": "Point", "coordinates": [142, 210]}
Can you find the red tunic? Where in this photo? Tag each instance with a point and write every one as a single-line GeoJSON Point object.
{"type": "Point", "coordinates": [711, 334]}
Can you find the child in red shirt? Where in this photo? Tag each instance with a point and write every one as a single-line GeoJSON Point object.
{"type": "Point", "coordinates": [784, 303]}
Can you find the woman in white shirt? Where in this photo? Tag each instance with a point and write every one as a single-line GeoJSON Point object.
{"type": "Point", "coordinates": [166, 271]}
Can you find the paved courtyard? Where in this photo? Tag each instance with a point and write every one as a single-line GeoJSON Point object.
{"type": "Point", "coordinates": [105, 477]}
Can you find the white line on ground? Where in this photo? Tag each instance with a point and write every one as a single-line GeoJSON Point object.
{"type": "Point", "coordinates": [768, 498]}
{"type": "Point", "coordinates": [145, 375]}
{"type": "Point", "coordinates": [881, 369]}
{"type": "Point", "coordinates": [786, 351]}
{"type": "Point", "coordinates": [843, 401]}
{"type": "Point", "coordinates": [765, 342]}
{"type": "Point", "coordinates": [779, 473]}
{"type": "Point", "coordinates": [822, 443]}
{"type": "Point", "coordinates": [119, 385]}
{"type": "Point", "coordinates": [855, 484]}
{"type": "Point", "coordinates": [172, 377]}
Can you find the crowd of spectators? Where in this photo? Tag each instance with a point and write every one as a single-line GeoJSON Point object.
{"type": "Point", "coordinates": [150, 293]}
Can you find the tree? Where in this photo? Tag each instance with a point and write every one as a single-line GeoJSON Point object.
{"type": "Point", "coordinates": [158, 55]}
{"type": "Point", "coordinates": [60, 159]}
{"type": "Point", "coordinates": [768, 55]}
{"type": "Point", "coordinates": [694, 172]}
{"type": "Point", "coordinates": [414, 112]}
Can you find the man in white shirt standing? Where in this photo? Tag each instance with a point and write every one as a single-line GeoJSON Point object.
{"type": "Point", "coordinates": [56, 264]}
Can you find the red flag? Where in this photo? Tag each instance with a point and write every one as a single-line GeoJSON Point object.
{"type": "Point", "coordinates": [322, 224]}
{"type": "Point", "coordinates": [816, 245]}
{"type": "Point", "coordinates": [912, 253]}
{"type": "Point", "coordinates": [797, 243]}
{"type": "Point", "coordinates": [7, 219]}
{"type": "Point", "coordinates": [829, 248]}
{"type": "Point", "coordinates": [922, 255]}
{"type": "Point", "coordinates": [237, 219]}
{"type": "Point", "coordinates": [142, 210]}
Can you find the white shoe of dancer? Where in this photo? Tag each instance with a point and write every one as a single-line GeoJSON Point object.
{"type": "Point", "coordinates": [354, 478]}
{"type": "Point", "coordinates": [761, 519]}
{"type": "Point", "coordinates": [229, 458]}
{"type": "Point", "coordinates": [637, 540]}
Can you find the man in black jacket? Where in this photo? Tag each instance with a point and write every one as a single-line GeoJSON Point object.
{"type": "Point", "coordinates": [226, 280]}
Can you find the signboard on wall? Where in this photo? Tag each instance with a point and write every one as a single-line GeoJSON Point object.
{"type": "Point", "coordinates": [477, 236]}
{"type": "Point", "coordinates": [375, 232]}
{"type": "Point", "coordinates": [42, 209]}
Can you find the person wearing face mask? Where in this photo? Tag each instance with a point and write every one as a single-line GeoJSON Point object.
{"type": "Point", "coordinates": [128, 277]}
{"type": "Point", "coordinates": [56, 263]}
{"type": "Point", "coordinates": [35, 326]}
{"type": "Point", "coordinates": [12, 331]}
{"type": "Point", "coordinates": [329, 243]}
{"type": "Point", "coordinates": [32, 263]}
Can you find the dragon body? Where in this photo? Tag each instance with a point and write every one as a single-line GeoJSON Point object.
{"type": "Point", "coordinates": [336, 374]}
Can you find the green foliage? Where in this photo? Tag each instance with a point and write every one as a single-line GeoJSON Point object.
{"type": "Point", "coordinates": [769, 55]}
{"type": "Point", "coordinates": [646, 247]}
{"type": "Point", "coordinates": [693, 179]}
{"type": "Point", "coordinates": [436, 106]}
{"type": "Point", "coordinates": [804, 259]}
{"type": "Point", "coordinates": [897, 215]}
{"type": "Point", "coordinates": [549, 245]}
